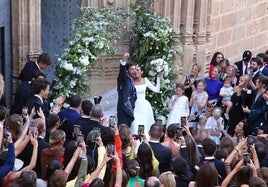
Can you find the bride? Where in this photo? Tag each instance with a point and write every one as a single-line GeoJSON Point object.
{"type": "Point", "coordinates": [143, 113]}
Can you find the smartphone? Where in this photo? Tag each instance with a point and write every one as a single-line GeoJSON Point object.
{"type": "Point", "coordinates": [5, 132]}
{"type": "Point", "coordinates": [179, 132]}
{"type": "Point", "coordinates": [110, 149]}
{"type": "Point", "coordinates": [183, 121]}
{"type": "Point", "coordinates": [250, 140]}
{"type": "Point", "coordinates": [140, 129]}
{"type": "Point", "coordinates": [239, 137]}
{"type": "Point", "coordinates": [80, 139]}
{"type": "Point", "coordinates": [77, 130]}
{"type": "Point", "coordinates": [246, 158]}
{"type": "Point", "coordinates": [36, 107]}
{"type": "Point", "coordinates": [32, 129]}
{"type": "Point", "coordinates": [112, 121]}
{"type": "Point", "coordinates": [24, 112]}
{"type": "Point", "coordinates": [95, 134]}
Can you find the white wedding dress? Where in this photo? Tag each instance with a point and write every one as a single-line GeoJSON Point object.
{"type": "Point", "coordinates": [143, 113]}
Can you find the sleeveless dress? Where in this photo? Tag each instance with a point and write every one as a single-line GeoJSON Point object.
{"type": "Point", "coordinates": [143, 113]}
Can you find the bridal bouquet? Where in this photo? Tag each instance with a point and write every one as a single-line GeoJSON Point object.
{"type": "Point", "coordinates": [159, 65]}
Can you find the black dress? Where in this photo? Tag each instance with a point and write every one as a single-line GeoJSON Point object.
{"type": "Point", "coordinates": [236, 113]}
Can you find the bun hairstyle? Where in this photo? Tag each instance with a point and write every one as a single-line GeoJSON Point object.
{"type": "Point", "coordinates": [216, 112]}
{"type": "Point", "coordinates": [133, 168]}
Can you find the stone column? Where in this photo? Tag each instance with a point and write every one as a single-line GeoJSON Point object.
{"type": "Point", "coordinates": [34, 28]}
{"type": "Point", "coordinates": [186, 28]}
{"type": "Point", "coordinates": [200, 33]}
{"type": "Point", "coordinates": [26, 34]}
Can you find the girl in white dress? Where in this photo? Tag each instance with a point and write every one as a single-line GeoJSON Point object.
{"type": "Point", "coordinates": [143, 113]}
{"type": "Point", "coordinates": [179, 105]}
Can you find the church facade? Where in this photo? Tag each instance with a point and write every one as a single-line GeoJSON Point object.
{"type": "Point", "coordinates": [205, 26]}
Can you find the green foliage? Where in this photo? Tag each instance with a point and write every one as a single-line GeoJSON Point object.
{"type": "Point", "coordinates": [154, 38]}
{"type": "Point", "coordinates": [94, 34]}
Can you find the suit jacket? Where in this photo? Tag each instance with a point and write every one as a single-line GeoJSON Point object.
{"type": "Point", "coordinates": [126, 97]}
{"type": "Point", "coordinates": [23, 93]}
{"type": "Point", "coordinates": [258, 108]}
{"type": "Point", "coordinates": [35, 101]}
{"type": "Point", "coordinates": [28, 70]}
{"type": "Point", "coordinates": [70, 115]}
{"type": "Point", "coordinates": [163, 155]}
{"type": "Point", "coordinates": [219, 165]}
{"type": "Point", "coordinates": [255, 77]}
{"type": "Point", "coordinates": [25, 154]}
{"type": "Point", "coordinates": [87, 125]}
{"type": "Point", "coordinates": [264, 71]}
{"type": "Point", "coordinates": [239, 66]}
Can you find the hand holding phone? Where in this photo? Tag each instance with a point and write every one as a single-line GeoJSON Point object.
{"type": "Point", "coordinates": [112, 121]}
{"type": "Point", "coordinates": [76, 130]}
{"type": "Point", "coordinates": [183, 121]}
{"type": "Point", "coordinates": [80, 139]}
{"type": "Point", "coordinates": [32, 129]}
{"type": "Point", "coordinates": [24, 112]}
{"type": "Point", "coordinates": [110, 149]}
{"type": "Point", "coordinates": [140, 130]}
{"type": "Point", "coordinates": [246, 158]}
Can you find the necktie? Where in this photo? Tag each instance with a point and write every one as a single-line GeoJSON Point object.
{"type": "Point", "coordinates": [246, 72]}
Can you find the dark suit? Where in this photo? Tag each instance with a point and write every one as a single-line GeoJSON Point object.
{"type": "Point", "coordinates": [27, 152]}
{"type": "Point", "coordinates": [35, 101]}
{"type": "Point", "coordinates": [28, 70]}
{"type": "Point", "coordinates": [264, 71]}
{"type": "Point", "coordinates": [219, 165]}
{"type": "Point", "coordinates": [239, 66]}
{"type": "Point", "coordinates": [87, 125]}
{"type": "Point", "coordinates": [255, 77]}
{"type": "Point", "coordinates": [163, 155]}
{"type": "Point", "coordinates": [23, 93]}
{"type": "Point", "coordinates": [70, 115]}
{"type": "Point", "coordinates": [126, 97]}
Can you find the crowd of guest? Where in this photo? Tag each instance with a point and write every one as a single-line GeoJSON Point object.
{"type": "Point", "coordinates": [216, 133]}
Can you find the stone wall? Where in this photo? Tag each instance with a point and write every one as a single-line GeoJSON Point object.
{"type": "Point", "coordinates": [205, 26]}
{"type": "Point", "coordinates": [239, 25]}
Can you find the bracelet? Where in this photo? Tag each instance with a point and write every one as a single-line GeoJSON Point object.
{"type": "Point", "coordinates": [236, 150]}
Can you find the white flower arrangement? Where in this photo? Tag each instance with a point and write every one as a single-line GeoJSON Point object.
{"type": "Point", "coordinates": [159, 65]}
{"type": "Point", "coordinates": [93, 35]}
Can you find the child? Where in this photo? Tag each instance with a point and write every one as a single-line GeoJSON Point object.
{"type": "Point", "coordinates": [201, 131]}
{"type": "Point", "coordinates": [198, 103]}
{"type": "Point", "coordinates": [226, 92]}
{"type": "Point", "coordinates": [179, 105]}
{"type": "Point", "coordinates": [213, 123]}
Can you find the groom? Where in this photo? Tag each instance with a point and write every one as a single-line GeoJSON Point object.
{"type": "Point", "coordinates": [126, 91]}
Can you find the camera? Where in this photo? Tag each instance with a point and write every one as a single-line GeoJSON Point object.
{"type": "Point", "coordinates": [112, 121]}
{"type": "Point", "coordinates": [110, 149]}
{"type": "Point", "coordinates": [246, 158]}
